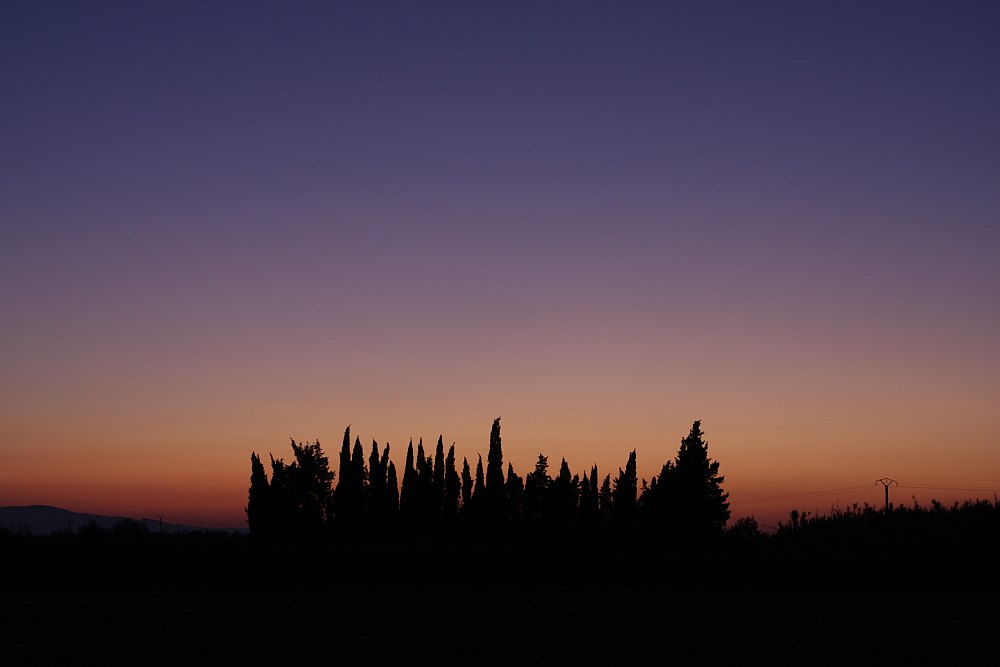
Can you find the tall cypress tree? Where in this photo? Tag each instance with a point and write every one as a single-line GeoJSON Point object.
{"type": "Point", "coordinates": [407, 495]}
{"type": "Point", "coordinates": [391, 494]}
{"type": "Point", "coordinates": [425, 486]}
{"type": "Point", "coordinates": [437, 490]}
{"type": "Point", "coordinates": [466, 483]}
{"type": "Point", "coordinates": [359, 482]}
{"type": "Point", "coordinates": [257, 497]}
{"type": "Point", "coordinates": [383, 467]}
{"type": "Point", "coordinates": [625, 504]}
{"type": "Point", "coordinates": [376, 484]}
{"type": "Point", "coordinates": [343, 493]}
{"type": "Point", "coordinates": [281, 504]}
{"type": "Point", "coordinates": [480, 489]}
{"type": "Point", "coordinates": [605, 499]}
{"type": "Point", "coordinates": [452, 486]}
{"type": "Point", "coordinates": [494, 498]}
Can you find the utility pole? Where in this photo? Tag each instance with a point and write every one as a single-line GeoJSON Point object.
{"type": "Point", "coordinates": [886, 482]}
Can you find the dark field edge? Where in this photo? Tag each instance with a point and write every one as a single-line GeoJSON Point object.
{"type": "Point", "coordinates": [219, 599]}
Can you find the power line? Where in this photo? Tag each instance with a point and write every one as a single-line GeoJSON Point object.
{"type": "Point", "coordinates": [994, 489]}
{"type": "Point", "coordinates": [805, 494]}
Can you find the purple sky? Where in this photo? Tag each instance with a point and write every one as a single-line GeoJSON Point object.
{"type": "Point", "coordinates": [228, 223]}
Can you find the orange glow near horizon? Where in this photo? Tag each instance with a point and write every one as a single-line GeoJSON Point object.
{"type": "Point", "coordinates": [196, 472]}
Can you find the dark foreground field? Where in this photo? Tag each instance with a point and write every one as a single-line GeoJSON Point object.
{"type": "Point", "coordinates": [211, 600]}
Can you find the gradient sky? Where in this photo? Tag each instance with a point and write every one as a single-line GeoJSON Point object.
{"type": "Point", "coordinates": [224, 225]}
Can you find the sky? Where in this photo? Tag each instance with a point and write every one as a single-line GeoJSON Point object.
{"type": "Point", "coordinates": [225, 225]}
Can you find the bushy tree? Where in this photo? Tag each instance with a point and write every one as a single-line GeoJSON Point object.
{"type": "Point", "coordinates": [300, 492]}
{"type": "Point", "coordinates": [563, 494]}
{"type": "Point", "coordinates": [536, 489]}
{"type": "Point", "coordinates": [701, 504]}
{"type": "Point", "coordinates": [686, 500]}
{"type": "Point", "coordinates": [312, 485]}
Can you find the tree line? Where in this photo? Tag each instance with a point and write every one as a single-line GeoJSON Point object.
{"type": "Point", "coordinates": [304, 497]}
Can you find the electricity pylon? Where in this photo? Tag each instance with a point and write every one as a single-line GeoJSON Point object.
{"type": "Point", "coordinates": [886, 482]}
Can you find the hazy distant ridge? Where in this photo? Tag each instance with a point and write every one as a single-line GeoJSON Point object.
{"type": "Point", "coordinates": [45, 520]}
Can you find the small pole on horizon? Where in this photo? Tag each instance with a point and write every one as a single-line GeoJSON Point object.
{"type": "Point", "coordinates": [886, 482]}
{"type": "Point", "coordinates": [161, 524]}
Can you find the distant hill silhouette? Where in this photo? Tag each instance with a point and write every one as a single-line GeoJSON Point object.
{"type": "Point", "coordinates": [46, 520]}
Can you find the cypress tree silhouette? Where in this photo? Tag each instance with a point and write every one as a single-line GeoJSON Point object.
{"type": "Point", "coordinates": [452, 487]}
{"type": "Point", "coordinates": [588, 514]}
{"type": "Point", "coordinates": [280, 506]}
{"type": "Point", "coordinates": [351, 503]}
{"type": "Point", "coordinates": [494, 460]}
{"type": "Point", "coordinates": [494, 500]}
{"type": "Point", "coordinates": [563, 499]}
{"type": "Point", "coordinates": [425, 486]}
{"type": "Point", "coordinates": [407, 496]}
{"type": "Point", "coordinates": [480, 489]}
{"type": "Point", "coordinates": [624, 499]}
{"type": "Point", "coordinates": [376, 485]}
{"type": "Point", "coordinates": [437, 490]}
{"type": "Point", "coordinates": [342, 493]}
{"type": "Point", "coordinates": [359, 472]}
{"type": "Point", "coordinates": [391, 494]}
{"type": "Point", "coordinates": [686, 498]}
{"type": "Point", "coordinates": [605, 499]}
{"type": "Point", "coordinates": [466, 484]}
{"type": "Point", "coordinates": [475, 509]}
{"type": "Point", "coordinates": [383, 467]}
{"type": "Point", "coordinates": [257, 497]}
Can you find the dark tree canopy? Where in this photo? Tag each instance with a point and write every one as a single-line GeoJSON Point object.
{"type": "Point", "coordinates": [685, 501]}
{"type": "Point", "coordinates": [298, 498]}
{"type": "Point", "coordinates": [311, 483]}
